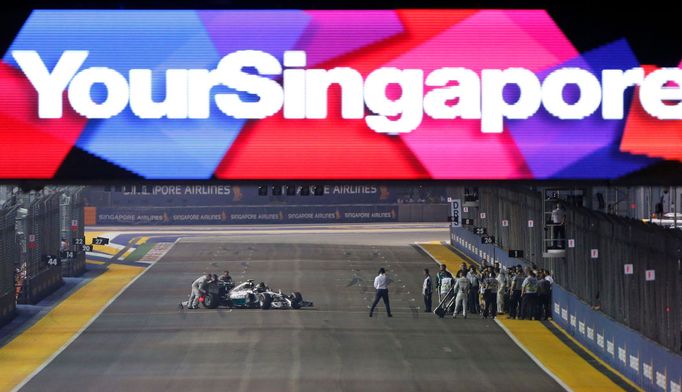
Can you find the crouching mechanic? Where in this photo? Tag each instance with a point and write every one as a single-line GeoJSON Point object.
{"type": "Point", "coordinates": [197, 288]}
{"type": "Point", "coordinates": [462, 293]}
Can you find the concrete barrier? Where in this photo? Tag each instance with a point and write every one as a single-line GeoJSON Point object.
{"type": "Point", "coordinates": [7, 307]}
{"type": "Point", "coordinates": [41, 285]}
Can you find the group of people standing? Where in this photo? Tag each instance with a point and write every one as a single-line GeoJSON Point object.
{"type": "Point", "coordinates": [492, 290]}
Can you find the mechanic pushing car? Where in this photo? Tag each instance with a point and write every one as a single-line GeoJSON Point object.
{"type": "Point", "coordinates": [197, 287]}
{"type": "Point", "coordinates": [226, 278]}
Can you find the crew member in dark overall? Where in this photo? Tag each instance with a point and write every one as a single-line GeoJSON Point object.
{"type": "Point", "coordinates": [515, 293]}
{"type": "Point", "coordinates": [490, 295]}
{"type": "Point", "coordinates": [443, 273]}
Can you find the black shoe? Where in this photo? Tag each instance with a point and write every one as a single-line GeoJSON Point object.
{"type": "Point", "coordinates": [390, 315]}
{"type": "Point", "coordinates": [370, 315]}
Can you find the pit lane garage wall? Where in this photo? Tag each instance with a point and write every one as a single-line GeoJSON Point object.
{"type": "Point", "coordinates": [645, 362]}
{"type": "Point", "coordinates": [7, 290]}
{"type": "Point", "coordinates": [264, 214]}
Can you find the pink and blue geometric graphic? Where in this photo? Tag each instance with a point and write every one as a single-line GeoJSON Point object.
{"type": "Point", "coordinates": [541, 147]}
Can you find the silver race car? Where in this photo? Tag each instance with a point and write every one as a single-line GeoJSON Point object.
{"type": "Point", "coordinates": [248, 295]}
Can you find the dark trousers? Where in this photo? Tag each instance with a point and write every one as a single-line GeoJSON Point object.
{"type": "Point", "coordinates": [515, 304]}
{"type": "Point", "coordinates": [381, 294]}
{"type": "Point", "coordinates": [428, 300]}
{"type": "Point", "coordinates": [528, 306]}
{"type": "Point", "coordinates": [507, 299]}
{"type": "Point", "coordinates": [544, 306]}
{"type": "Point", "coordinates": [559, 236]}
{"type": "Point", "coordinates": [490, 299]}
{"type": "Point", "coordinates": [472, 303]}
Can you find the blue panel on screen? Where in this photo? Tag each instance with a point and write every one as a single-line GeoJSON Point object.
{"type": "Point", "coordinates": [158, 40]}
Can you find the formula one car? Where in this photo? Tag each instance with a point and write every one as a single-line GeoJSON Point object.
{"type": "Point", "coordinates": [248, 295]}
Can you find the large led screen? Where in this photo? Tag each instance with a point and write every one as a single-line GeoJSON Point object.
{"type": "Point", "coordinates": [289, 94]}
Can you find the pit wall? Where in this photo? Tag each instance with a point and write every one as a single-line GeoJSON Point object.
{"type": "Point", "coordinates": [7, 307]}
{"type": "Point", "coordinates": [226, 215]}
{"type": "Point", "coordinates": [643, 361]}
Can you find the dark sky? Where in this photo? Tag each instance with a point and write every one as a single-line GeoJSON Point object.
{"type": "Point", "coordinates": [653, 30]}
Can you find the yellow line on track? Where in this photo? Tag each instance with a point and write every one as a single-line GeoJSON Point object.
{"type": "Point", "coordinates": [26, 353]}
{"type": "Point", "coordinates": [142, 240]}
{"type": "Point", "coordinates": [594, 357]}
{"type": "Point", "coordinates": [127, 253]}
{"type": "Point", "coordinates": [444, 255]}
{"type": "Point", "coordinates": [558, 358]}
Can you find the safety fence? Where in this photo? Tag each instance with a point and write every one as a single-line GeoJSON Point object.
{"type": "Point", "coordinates": [43, 272]}
{"type": "Point", "coordinates": [7, 268]}
{"type": "Point", "coordinates": [623, 267]}
{"type": "Point", "coordinates": [72, 228]}
{"type": "Point", "coordinates": [650, 365]}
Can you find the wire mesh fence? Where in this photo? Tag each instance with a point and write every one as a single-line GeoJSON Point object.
{"type": "Point", "coordinates": [72, 231]}
{"type": "Point", "coordinates": [7, 264]}
{"type": "Point", "coordinates": [43, 274]}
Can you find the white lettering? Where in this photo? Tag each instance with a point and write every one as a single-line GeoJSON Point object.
{"type": "Point", "coordinates": [173, 106]}
{"type": "Point", "coordinates": [654, 91]}
{"type": "Point", "coordinates": [408, 106]}
{"type": "Point", "coordinates": [49, 86]}
{"type": "Point", "coordinates": [81, 99]}
{"type": "Point", "coordinates": [493, 106]}
{"type": "Point", "coordinates": [467, 93]}
{"type": "Point", "coordinates": [615, 82]}
{"type": "Point", "coordinates": [317, 85]}
{"type": "Point", "coordinates": [451, 92]}
{"type": "Point", "coordinates": [552, 93]}
{"type": "Point", "coordinates": [230, 73]}
{"type": "Point", "coordinates": [294, 84]}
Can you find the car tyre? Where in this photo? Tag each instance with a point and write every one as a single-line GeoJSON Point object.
{"type": "Point", "coordinates": [265, 301]}
{"type": "Point", "coordinates": [210, 301]}
{"type": "Point", "coordinates": [297, 300]}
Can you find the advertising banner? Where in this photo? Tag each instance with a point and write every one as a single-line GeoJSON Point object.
{"type": "Point", "coordinates": [220, 195]}
{"type": "Point", "coordinates": [245, 215]}
{"type": "Point", "coordinates": [262, 94]}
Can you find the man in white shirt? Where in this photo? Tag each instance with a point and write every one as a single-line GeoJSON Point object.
{"type": "Point", "coordinates": [558, 222]}
{"type": "Point", "coordinates": [462, 293]}
{"type": "Point", "coordinates": [63, 245]}
{"type": "Point", "coordinates": [548, 277]}
{"type": "Point", "coordinates": [529, 297]}
{"type": "Point", "coordinates": [501, 289]}
{"type": "Point", "coordinates": [381, 283]}
{"type": "Point", "coordinates": [427, 290]}
{"type": "Point", "coordinates": [196, 291]}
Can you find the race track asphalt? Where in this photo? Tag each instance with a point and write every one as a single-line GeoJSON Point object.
{"type": "Point", "coordinates": [143, 342]}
